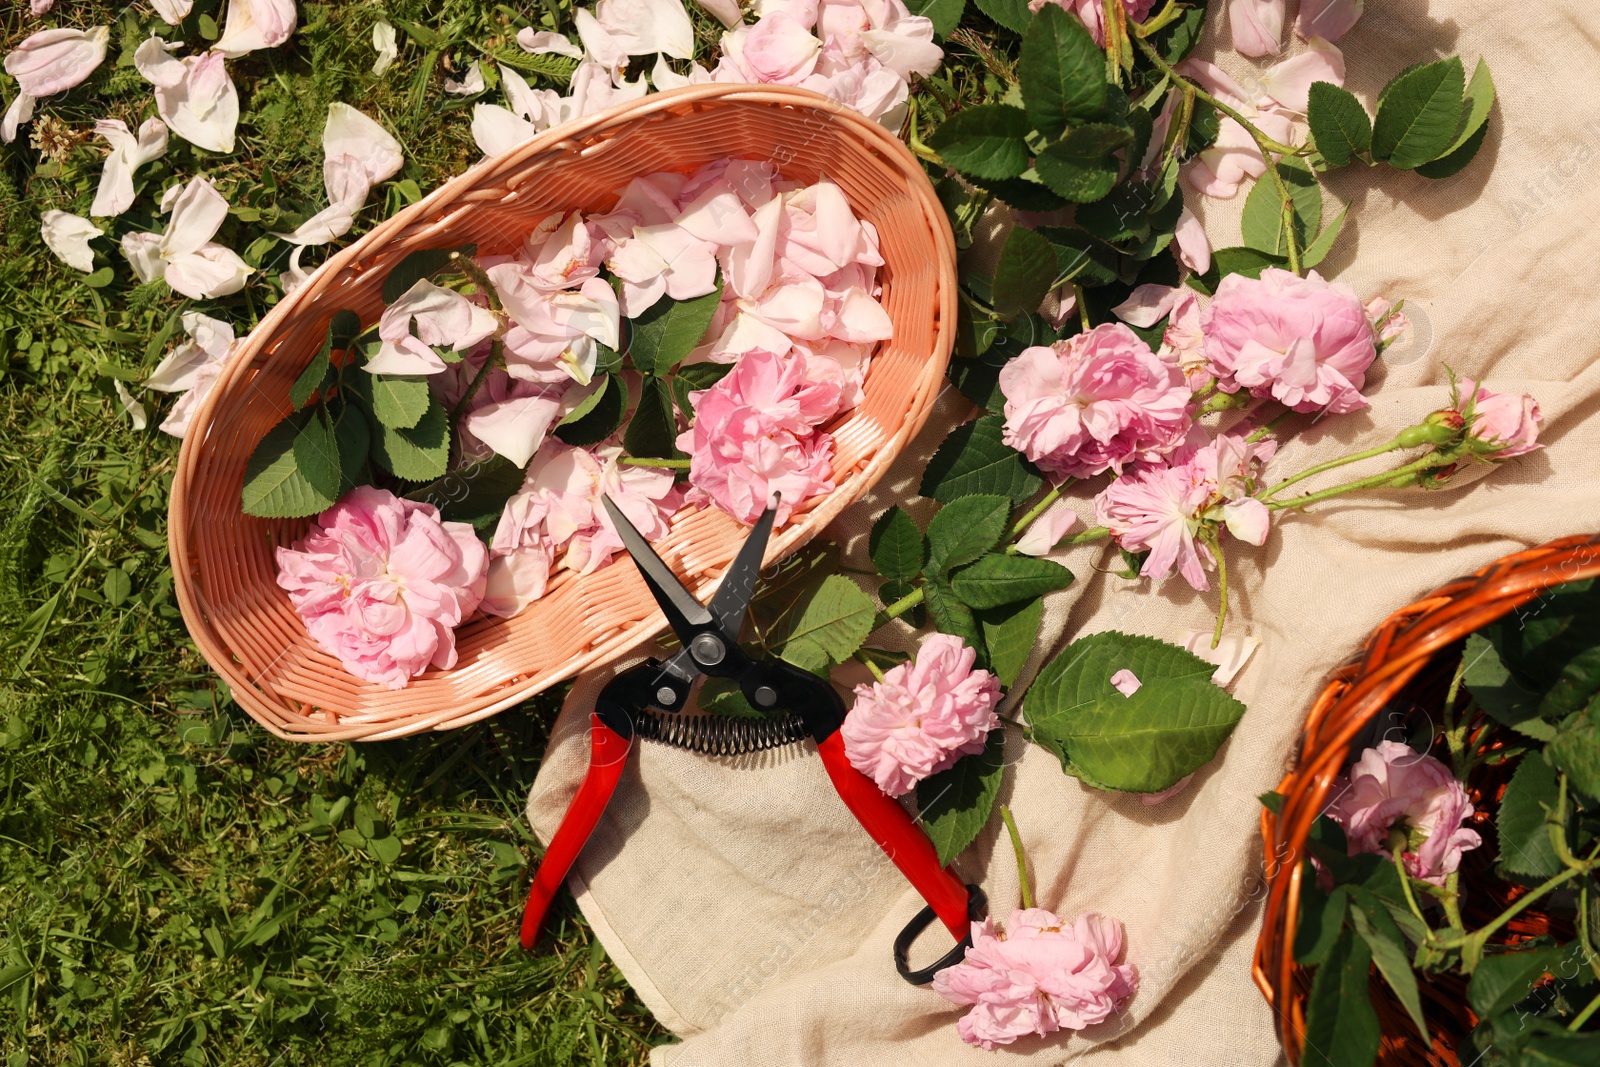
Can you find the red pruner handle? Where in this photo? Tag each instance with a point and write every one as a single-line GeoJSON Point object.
{"type": "Point", "coordinates": [887, 823]}
{"type": "Point", "coordinates": [608, 755]}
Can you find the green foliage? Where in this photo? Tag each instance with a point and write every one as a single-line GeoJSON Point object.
{"type": "Point", "coordinates": [1024, 273]}
{"type": "Point", "coordinates": [653, 429]}
{"type": "Point", "coordinates": [1418, 114]}
{"type": "Point", "coordinates": [1262, 223]}
{"type": "Point", "coordinates": [1341, 1025]}
{"type": "Point", "coordinates": [602, 419]}
{"type": "Point", "coordinates": [1061, 71]}
{"type": "Point", "coordinates": [475, 493]}
{"type": "Point", "coordinates": [974, 459]}
{"type": "Point", "coordinates": [294, 471]}
{"type": "Point", "coordinates": [944, 14]}
{"type": "Point", "coordinates": [1169, 728]}
{"type": "Point", "coordinates": [1339, 124]}
{"type": "Point", "coordinates": [832, 625]}
{"type": "Point", "coordinates": [997, 579]}
{"type": "Point", "coordinates": [399, 401]}
{"type": "Point", "coordinates": [669, 330]}
{"type": "Point", "coordinates": [896, 545]}
{"type": "Point", "coordinates": [965, 529]}
{"type": "Point", "coordinates": [1524, 839]}
{"type": "Point", "coordinates": [1009, 634]}
{"type": "Point", "coordinates": [415, 266]}
{"type": "Point", "coordinates": [955, 805]}
{"type": "Point", "coordinates": [984, 142]}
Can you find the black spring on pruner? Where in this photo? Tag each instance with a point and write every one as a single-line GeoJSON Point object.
{"type": "Point", "coordinates": [718, 735]}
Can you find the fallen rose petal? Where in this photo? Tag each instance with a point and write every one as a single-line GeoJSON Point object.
{"type": "Point", "coordinates": [20, 111]}
{"type": "Point", "coordinates": [541, 42]}
{"type": "Point", "coordinates": [469, 85]}
{"type": "Point", "coordinates": [1230, 655]}
{"type": "Point", "coordinates": [1191, 242]}
{"type": "Point", "coordinates": [1289, 83]}
{"type": "Point", "coordinates": [68, 236]}
{"type": "Point", "coordinates": [1257, 26]}
{"type": "Point", "coordinates": [53, 61]}
{"type": "Point", "coordinates": [724, 11]}
{"type": "Point", "coordinates": [172, 12]}
{"type": "Point", "coordinates": [386, 44]}
{"type": "Point", "coordinates": [134, 409]}
{"type": "Point", "coordinates": [1045, 532]}
{"type": "Point", "coordinates": [497, 130]}
{"type": "Point", "coordinates": [1126, 682]}
{"type": "Point", "coordinates": [128, 153]}
{"type": "Point", "coordinates": [254, 24]}
{"type": "Point", "coordinates": [1328, 19]}
{"type": "Point", "coordinates": [40, 7]}
{"type": "Point", "coordinates": [1152, 799]}
{"type": "Point", "coordinates": [1147, 305]}
{"type": "Point", "coordinates": [194, 96]}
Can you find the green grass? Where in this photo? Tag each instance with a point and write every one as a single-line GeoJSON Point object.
{"type": "Point", "coordinates": [177, 886]}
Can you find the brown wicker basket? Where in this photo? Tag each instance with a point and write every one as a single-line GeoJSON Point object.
{"type": "Point", "coordinates": [1409, 658]}
{"type": "Point", "coordinates": [223, 559]}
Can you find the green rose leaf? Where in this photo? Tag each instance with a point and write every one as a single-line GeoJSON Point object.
{"type": "Point", "coordinates": [1418, 114]}
{"type": "Point", "coordinates": [695, 377]}
{"type": "Point", "coordinates": [1501, 696]}
{"type": "Point", "coordinates": [420, 453]}
{"type": "Point", "coordinates": [1062, 73]}
{"type": "Point", "coordinates": [1080, 258]}
{"type": "Point", "coordinates": [955, 805]}
{"type": "Point", "coordinates": [986, 142]}
{"type": "Point", "coordinates": [974, 459]}
{"type": "Point", "coordinates": [1080, 166]}
{"type": "Point", "coordinates": [944, 14]}
{"type": "Point", "coordinates": [965, 529]}
{"type": "Point", "coordinates": [1525, 847]}
{"type": "Point", "coordinates": [1321, 920]}
{"type": "Point", "coordinates": [1026, 193]}
{"type": "Point", "coordinates": [1009, 634]}
{"type": "Point", "coordinates": [1501, 980]}
{"type": "Point", "coordinates": [1575, 750]}
{"type": "Point", "coordinates": [1024, 272]}
{"type": "Point", "coordinates": [1390, 952]}
{"type": "Point", "coordinates": [602, 419]}
{"type": "Point", "coordinates": [1225, 261]}
{"type": "Point", "coordinates": [832, 625]}
{"type": "Point", "coordinates": [1170, 728]}
{"type": "Point", "coordinates": [896, 545]}
{"type": "Point", "coordinates": [669, 330]}
{"type": "Point", "coordinates": [1012, 14]}
{"type": "Point", "coordinates": [399, 400]}
{"type": "Point", "coordinates": [951, 616]}
{"type": "Point", "coordinates": [475, 493]}
{"type": "Point", "coordinates": [653, 430]}
{"type": "Point", "coordinates": [417, 266]}
{"type": "Point", "coordinates": [353, 434]}
{"type": "Point", "coordinates": [1341, 1026]}
{"type": "Point", "coordinates": [1338, 123]}
{"type": "Point", "coordinates": [1538, 640]}
{"type": "Point", "coordinates": [1318, 250]}
{"type": "Point", "coordinates": [1474, 126]}
{"type": "Point", "coordinates": [998, 579]}
{"type": "Point", "coordinates": [342, 329]}
{"type": "Point", "coordinates": [275, 487]}
{"type": "Point", "coordinates": [1262, 223]}
{"type": "Point", "coordinates": [598, 386]}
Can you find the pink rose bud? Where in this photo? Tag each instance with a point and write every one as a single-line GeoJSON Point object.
{"type": "Point", "coordinates": [1037, 974]}
{"type": "Point", "coordinates": [1094, 402]}
{"type": "Point", "coordinates": [1393, 785]}
{"type": "Point", "coordinates": [1503, 424]}
{"type": "Point", "coordinates": [923, 717]}
{"type": "Point", "coordinates": [1304, 342]}
{"type": "Point", "coordinates": [381, 583]}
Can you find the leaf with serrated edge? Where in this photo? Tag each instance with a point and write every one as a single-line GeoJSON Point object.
{"type": "Point", "coordinates": [951, 616]}
{"type": "Point", "coordinates": [944, 14]}
{"type": "Point", "coordinates": [1341, 1026]}
{"type": "Point", "coordinates": [1262, 223]}
{"type": "Point", "coordinates": [1418, 114]}
{"type": "Point", "coordinates": [1318, 250]}
{"type": "Point", "coordinates": [1061, 70]}
{"type": "Point", "coordinates": [602, 420]}
{"type": "Point", "coordinates": [1077, 177]}
{"type": "Point", "coordinates": [986, 142]}
{"type": "Point", "coordinates": [653, 429]}
{"type": "Point", "coordinates": [400, 400]}
{"type": "Point", "coordinates": [1501, 980]}
{"type": "Point", "coordinates": [831, 626]}
{"type": "Point", "coordinates": [1024, 272]}
{"type": "Point", "coordinates": [1338, 123]}
{"type": "Point", "coordinates": [974, 458]}
{"type": "Point", "coordinates": [420, 453]}
{"type": "Point", "coordinates": [274, 487]}
{"type": "Point", "coordinates": [1525, 847]}
{"type": "Point", "coordinates": [896, 545]}
{"type": "Point", "coordinates": [354, 436]}
{"type": "Point", "coordinates": [998, 579]}
{"type": "Point", "coordinates": [1009, 633]}
{"type": "Point", "coordinates": [670, 329]}
{"type": "Point", "coordinates": [1502, 697]}
{"type": "Point", "coordinates": [1168, 729]}
{"type": "Point", "coordinates": [965, 529]}
{"type": "Point", "coordinates": [1388, 947]}
{"type": "Point", "coordinates": [955, 805]}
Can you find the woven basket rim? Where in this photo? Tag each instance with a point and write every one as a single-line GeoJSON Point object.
{"type": "Point", "coordinates": [252, 693]}
{"type": "Point", "coordinates": [1396, 652]}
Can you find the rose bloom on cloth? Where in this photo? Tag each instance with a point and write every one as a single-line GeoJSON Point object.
{"type": "Point", "coordinates": [1094, 402]}
{"type": "Point", "coordinates": [922, 717]}
{"type": "Point", "coordinates": [1304, 342]}
{"type": "Point", "coordinates": [1394, 785]}
{"type": "Point", "coordinates": [381, 583]}
{"type": "Point", "coordinates": [1037, 974]}
{"type": "Point", "coordinates": [1504, 425]}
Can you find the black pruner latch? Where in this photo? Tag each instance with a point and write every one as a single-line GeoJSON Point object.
{"type": "Point", "coordinates": [977, 907]}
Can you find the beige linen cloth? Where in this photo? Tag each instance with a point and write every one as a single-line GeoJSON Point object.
{"type": "Point", "coordinates": [754, 916]}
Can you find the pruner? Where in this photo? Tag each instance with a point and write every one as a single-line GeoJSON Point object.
{"type": "Point", "coordinates": [652, 701]}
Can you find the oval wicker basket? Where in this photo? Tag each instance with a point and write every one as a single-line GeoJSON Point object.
{"type": "Point", "coordinates": [223, 559]}
{"type": "Point", "coordinates": [1410, 659]}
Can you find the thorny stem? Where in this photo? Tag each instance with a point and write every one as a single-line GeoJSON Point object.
{"type": "Point", "coordinates": [1156, 24]}
{"type": "Point", "coordinates": [1311, 472]}
{"type": "Point", "coordinates": [1263, 431]}
{"type": "Point", "coordinates": [1022, 858]}
{"type": "Point", "coordinates": [1038, 509]}
{"type": "Point", "coordinates": [1266, 144]}
{"type": "Point", "coordinates": [1376, 481]}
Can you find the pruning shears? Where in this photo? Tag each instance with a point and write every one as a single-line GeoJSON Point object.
{"type": "Point", "coordinates": [652, 700]}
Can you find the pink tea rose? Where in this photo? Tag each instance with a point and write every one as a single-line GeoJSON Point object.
{"type": "Point", "coordinates": [923, 717]}
{"type": "Point", "coordinates": [1094, 402]}
{"type": "Point", "coordinates": [1037, 974]}
{"type": "Point", "coordinates": [1503, 424]}
{"type": "Point", "coordinates": [755, 436]}
{"type": "Point", "coordinates": [381, 583]}
{"type": "Point", "coordinates": [1092, 13]}
{"type": "Point", "coordinates": [1164, 508]}
{"type": "Point", "coordinates": [1304, 342]}
{"type": "Point", "coordinates": [1395, 785]}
